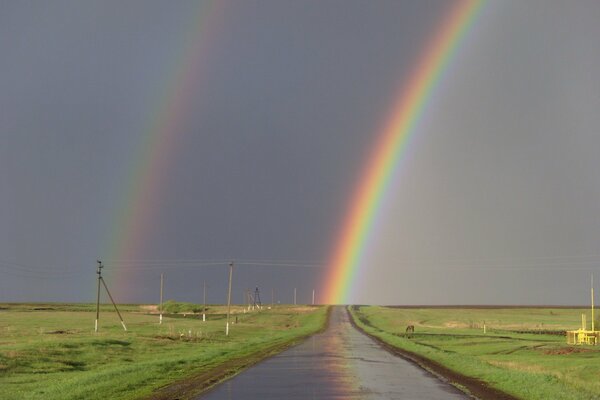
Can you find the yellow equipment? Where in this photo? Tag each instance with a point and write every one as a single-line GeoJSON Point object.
{"type": "Point", "coordinates": [583, 335]}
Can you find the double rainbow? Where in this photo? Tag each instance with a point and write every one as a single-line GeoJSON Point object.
{"type": "Point", "coordinates": [390, 147]}
{"type": "Point", "coordinates": [142, 197]}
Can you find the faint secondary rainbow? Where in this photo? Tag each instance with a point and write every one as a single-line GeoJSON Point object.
{"type": "Point", "coordinates": [390, 147]}
{"type": "Point", "coordinates": [141, 196]}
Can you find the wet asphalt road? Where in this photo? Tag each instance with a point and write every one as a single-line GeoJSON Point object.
{"type": "Point", "coordinates": [340, 363]}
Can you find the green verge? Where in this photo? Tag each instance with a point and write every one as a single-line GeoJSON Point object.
{"type": "Point", "coordinates": [51, 351]}
{"type": "Point", "coordinates": [525, 365]}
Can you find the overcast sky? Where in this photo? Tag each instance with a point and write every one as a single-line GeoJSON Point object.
{"type": "Point", "coordinates": [497, 200]}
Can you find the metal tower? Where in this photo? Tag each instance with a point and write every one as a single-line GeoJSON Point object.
{"type": "Point", "coordinates": [257, 302]}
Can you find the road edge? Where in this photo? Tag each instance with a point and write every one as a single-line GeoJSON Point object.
{"type": "Point", "coordinates": [195, 385]}
{"type": "Point", "coordinates": [473, 387]}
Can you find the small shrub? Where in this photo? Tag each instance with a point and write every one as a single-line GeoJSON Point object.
{"type": "Point", "coordinates": [177, 307]}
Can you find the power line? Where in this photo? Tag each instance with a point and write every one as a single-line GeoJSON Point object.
{"type": "Point", "coordinates": [316, 266]}
{"type": "Point", "coordinates": [163, 261]}
{"type": "Point", "coordinates": [141, 266]}
{"type": "Point", "coordinates": [38, 274]}
{"type": "Point", "coordinates": [46, 269]}
{"type": "Point", "coordinates": [181, 263]}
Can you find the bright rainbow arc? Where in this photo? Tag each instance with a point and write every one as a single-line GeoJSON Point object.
{"type": "Point", "coordinates": [401, 125]}
{"type": "Point", "coordinates": [144, 186]}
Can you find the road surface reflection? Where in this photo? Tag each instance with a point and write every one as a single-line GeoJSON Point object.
{"type": "Point", "coordinates": [340, 363]}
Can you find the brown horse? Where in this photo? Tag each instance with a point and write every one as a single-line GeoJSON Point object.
{"type": "Point", "coordinates": [409, 331]}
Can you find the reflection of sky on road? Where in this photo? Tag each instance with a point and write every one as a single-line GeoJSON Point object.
{"type": "Point", "coordinates": [337, 354]}
{"type": "Point", "coordinates": [340, 363]}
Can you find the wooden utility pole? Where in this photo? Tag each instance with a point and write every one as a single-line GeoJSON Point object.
{"type": "Point", "coordinates": [229, 298]}
{"type": "Point", "coordinates": [161, 299]}
{"type": "Point", "coordinates": [272, 298]}
{"type": "Point", "coordinates": [313, 299]}
{"type": "Point", "coordinates": [101, 280]}
{"type": "Point", "coordinates": [294, 296]}
{"type": "Point", "coordinates": [99, 272]}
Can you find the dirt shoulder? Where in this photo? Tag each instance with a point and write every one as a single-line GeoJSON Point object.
{"type": "Point", "coordinates": [476, 387]}
{"type": "Point", "coordinates": [194, 385]}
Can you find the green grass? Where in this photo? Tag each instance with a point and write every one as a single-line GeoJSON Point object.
{"type": "Point", "coordinates": [526, 365]}
{"type": "Point", "coordinates": [50, 351]}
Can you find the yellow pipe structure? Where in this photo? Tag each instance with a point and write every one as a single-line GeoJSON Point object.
{"type": "Point", "coordinates": [592, 302]}
{"type": "Point", "coordinates": [582, 335]}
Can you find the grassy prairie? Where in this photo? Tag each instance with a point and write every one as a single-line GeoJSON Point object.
{"type": "Point", "coordinates": [525, 365]}
{"type": "Point", "coordinates": [50, 351]}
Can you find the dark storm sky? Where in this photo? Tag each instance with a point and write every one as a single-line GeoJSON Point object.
{"type": "Point", "coordinates": [496, 200]}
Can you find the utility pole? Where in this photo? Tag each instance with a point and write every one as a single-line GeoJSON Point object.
{"type": "Point", "coordinates": [161, 299]}
{"type": "Point", "coordinates": [272, 297]}
{"type": "Point", "coordinates": [100, 279]}
{"type": "Point", "coordinates": [294, 296]}
{"type": "Point", "coordinates": [592, 302]}
{"type": "Point", "coordinates": [313, 300]}
{"type": "Point", "coordinates": [229, 298]}
{"type": "Point", "coordinates": [99, 272]}
{"type": "Point", "coordinates": [204, 308]}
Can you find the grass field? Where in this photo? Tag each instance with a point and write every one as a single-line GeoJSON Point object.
{"type": "Point", "coordinates": [50, 351]}
{"type": "Point", "coordinates": [526, 365]}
